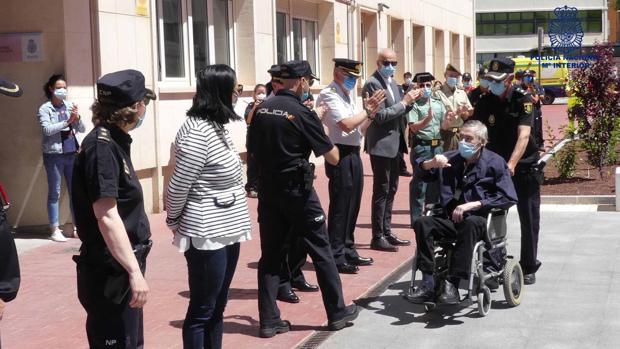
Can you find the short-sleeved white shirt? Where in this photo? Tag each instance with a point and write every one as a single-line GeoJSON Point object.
{"type": "Point", "coordinates": [340, 106]}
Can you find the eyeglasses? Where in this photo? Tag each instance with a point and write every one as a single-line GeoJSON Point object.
{"type": "Point", "coordinates": [146, 101]}
{"type": "Point", "coordinates": [386, 63]}
{"type": "Point", "coordinates": [310, 81]}
{"type": "Point", "coordinates": [276, 81]}
{"type": "Point", "coordinates": [426, 84]}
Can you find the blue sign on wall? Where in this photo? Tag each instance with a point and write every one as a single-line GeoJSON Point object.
{"type": "Point", "coordinates": [565, 31]}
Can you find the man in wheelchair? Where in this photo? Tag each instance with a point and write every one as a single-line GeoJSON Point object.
{"type": "Point", "coordinates": [473, 180]}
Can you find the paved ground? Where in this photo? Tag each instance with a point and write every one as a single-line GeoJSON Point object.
{"type": "Point", "coordinates": [47, 314]}
{"type": "Point", "coordinates": [572, 305]}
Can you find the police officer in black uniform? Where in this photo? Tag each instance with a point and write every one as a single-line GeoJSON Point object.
{"type": "Point", "coordinates": [288, 206]}
{"type": "Point", "coordinates": [507, 112]}
{"type": "Point", "coordinates": [110, 216]}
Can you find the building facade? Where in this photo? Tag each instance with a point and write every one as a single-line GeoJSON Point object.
{"type": "Point", "coordinates": [169, 40]}
{"type": "Point", "coordinates": [509, 28]}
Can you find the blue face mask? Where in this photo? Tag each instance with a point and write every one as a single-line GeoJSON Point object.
{"type": "Point", "coordinates": [61, 93]}
{"type": "Point", "coordinates": [497, 88]}
{"type": "Point", "coordinates": [451, 81]}
{"type": "Point", "coordinates": [426, 92]}
{"type": "Point", "coordinates": [140, 121]}
{"type": "Point", "coordinates": [388, 71]}
{"type": "Point", "coordinates": [484, 83]}
{"type": "Point", "coordinates": [467, 150]}
{"type": "Point", "coordinates": [305, 96]}
{"type": "Point", "coordinates": [350, 82]}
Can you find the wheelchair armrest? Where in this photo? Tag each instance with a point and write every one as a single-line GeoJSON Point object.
{"type": "Point", "coordinates": [496, 225]}
{"type": "Point", "coordinates": [433, 210]}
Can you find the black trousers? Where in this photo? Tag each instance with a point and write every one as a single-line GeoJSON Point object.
{"type": "Point", "coordinates": [402, 165]}
{"type": "Point", "coordinates": [108, 324]}
{"type": "Point", "coordinates": [538, 127]}
{"type": "Point", "coordinates": [528, 206]}
{"type": "Point", "coordinates": [252, 172]}
{"type": "Point", "coordinates": [298, 212]}
{"type": "Point", "coordinates": [468, 233]}
{"type": "Point", "coordinates": [293, 262]}
{"type": "Point", "coordinates": [385, 183]}
{"type": "Point", "coordinates": [346, 183]}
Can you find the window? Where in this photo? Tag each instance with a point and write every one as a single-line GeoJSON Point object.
{"type": "Point", "coordinates": [193, 34]}
{"type": "Point", "coordinates": [281, 37]}
{"type": "Point", "coordinates": [298, 42]}
{"type": "Point", "coordinates": [527, 23]}
{"type": "Point", "coordinates": [173, 38]}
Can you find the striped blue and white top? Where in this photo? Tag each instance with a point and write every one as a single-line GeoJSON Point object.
{"type": "Point", "coordinates": [206, 202]}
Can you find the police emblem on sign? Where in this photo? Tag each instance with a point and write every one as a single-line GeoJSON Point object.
{"type": "Point", "coordinates": [565, 31]}
{"type": "Point", "coordinates": [491, 119]}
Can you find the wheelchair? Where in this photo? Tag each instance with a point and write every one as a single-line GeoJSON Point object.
{"type": "Point", "coordinates": [491, 266]}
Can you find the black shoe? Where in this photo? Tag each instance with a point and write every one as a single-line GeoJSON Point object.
{"type": "Point", "coordinates": [282, 326]}
{"type": "Point", "coordinates": [350, 313]}
{"type": "Point", "coordinates": [288, 296]}
{"type": "Point", "coordinates": [450, 294]}
{"type": "Point", "coordinates": [304, 286]}
{"type": "Point", "coordinates": [394, 240]}
{"type": "Point", "coordinates": [422, 294]}
{"type": "Point", "coordinates": [529, 279]}
{"type": "Point", "coordinates": [346, 268]}
{"type": "Point", "coordinates": [405, 173]}
{"type": "Point", "coordinates": [359, 260]}
{"type": "Point", "coordinates": [381, 244]}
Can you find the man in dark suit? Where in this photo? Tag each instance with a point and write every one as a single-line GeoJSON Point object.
{"type": "Point", "coordinates": [385, 137]}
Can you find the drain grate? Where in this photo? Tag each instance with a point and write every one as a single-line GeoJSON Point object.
{"type": "Point", "coordinates": [318, 337]}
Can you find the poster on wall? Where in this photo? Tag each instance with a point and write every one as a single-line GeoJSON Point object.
{"type": "Point", "coordinates": [21, 47]}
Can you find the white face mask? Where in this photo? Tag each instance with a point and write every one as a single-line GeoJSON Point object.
{"type": "Point", "coordinates": [260, 96]}
{"type": "Point", "coordinates": [408, 81]}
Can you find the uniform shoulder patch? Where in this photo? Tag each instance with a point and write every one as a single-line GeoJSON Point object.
{"type": "Point", "coordinates": [103, 134]}
{"type": "Point", "coordinates": [333, 89]}
{"type": "Point", "coordinates": [528, 106]}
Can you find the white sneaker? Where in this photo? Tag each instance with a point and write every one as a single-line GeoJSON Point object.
{"type": "Point", "coordinates": [58, 236]}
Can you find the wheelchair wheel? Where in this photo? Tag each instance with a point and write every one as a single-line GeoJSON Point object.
{"type": "Point", "coordinates": [484, 301]}
{"type": "Point", "coordinates": [513, 282]}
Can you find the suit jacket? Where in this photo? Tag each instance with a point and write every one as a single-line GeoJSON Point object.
{"type": "Point", "coordinates": [386, 134]}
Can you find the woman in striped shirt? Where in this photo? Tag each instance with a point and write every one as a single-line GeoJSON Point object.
{"type": "Point", "coordinates": [206, 204]}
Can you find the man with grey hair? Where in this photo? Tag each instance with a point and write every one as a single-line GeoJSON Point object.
{"type": "Point", "coordinates": [473, 181]}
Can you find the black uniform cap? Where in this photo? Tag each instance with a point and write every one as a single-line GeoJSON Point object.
{"type": "Point", "coordinates": [296, 69]}
{"type": "Point", "coordinates": [274, 71]}
{"type": "Point", "coordinates": [466, 76]}
{"type": "Point", "coordinates": [499, 68]}
{"type": "Point", "coordinates": [350, 66]}
{"type": "Point", "coordinates": [123, 88]}
{"type": "Point", "coordinates": [423, 77]}
{"type": "Point", "coordinates": [9, 88]}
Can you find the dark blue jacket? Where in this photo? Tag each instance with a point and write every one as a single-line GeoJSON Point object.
{"type": "Point", "coordinates": [488, 180]}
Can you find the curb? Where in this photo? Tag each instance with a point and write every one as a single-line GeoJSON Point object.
{"type": "Point", "coordinates": [317, 338]}
{"type": "Point", "coordinates": [578, 199]}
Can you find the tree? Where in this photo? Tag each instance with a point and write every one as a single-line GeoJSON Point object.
{"type": "Point", "coordinates": [597, 88]}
